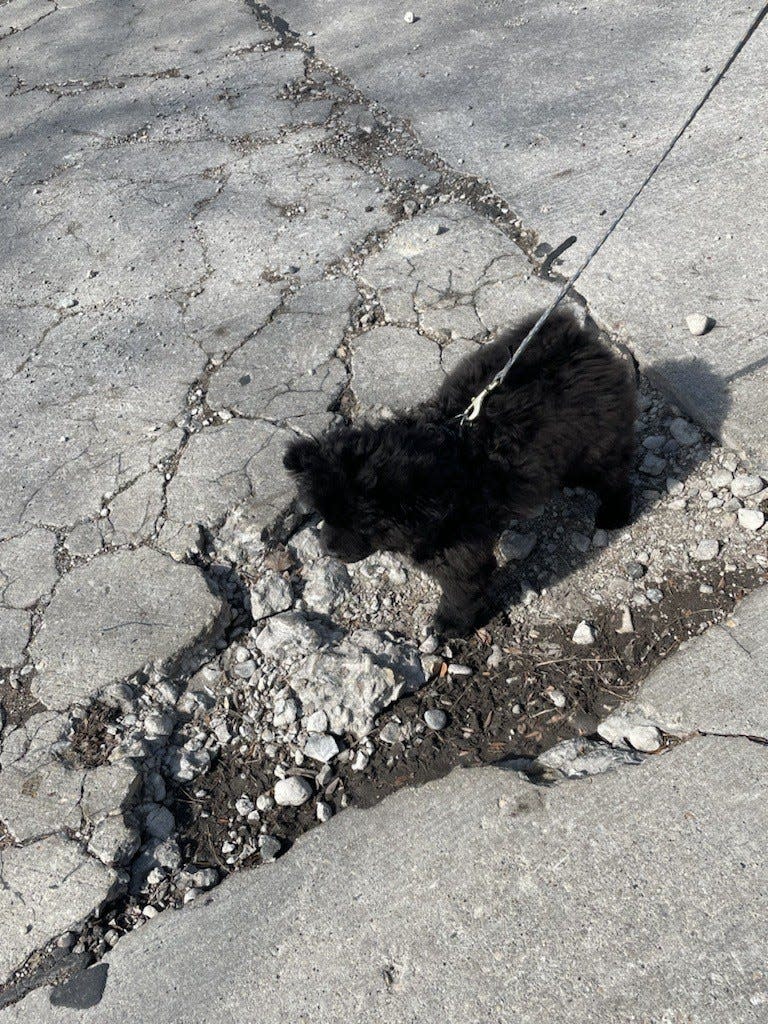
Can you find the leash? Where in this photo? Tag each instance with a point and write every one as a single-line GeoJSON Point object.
{"type": "Point", "coordinates": [475, 406]}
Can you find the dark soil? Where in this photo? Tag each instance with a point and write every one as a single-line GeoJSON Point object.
{"type": "Point", "coordinates": [482, 726]}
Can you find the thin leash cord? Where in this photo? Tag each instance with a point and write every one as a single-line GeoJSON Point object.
{"type": "Point", "coordinates": [473, 409]}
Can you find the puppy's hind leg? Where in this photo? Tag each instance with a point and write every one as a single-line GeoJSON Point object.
{"type": "Point", "coordinates": [611, 483]}
{"type": "Point", "coordinates": [463, 573]}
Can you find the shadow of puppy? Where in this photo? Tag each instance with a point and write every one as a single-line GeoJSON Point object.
{"type": "Point", "coordinates": [425, 486]}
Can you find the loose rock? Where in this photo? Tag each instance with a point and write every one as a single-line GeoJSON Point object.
{"type": "Point", "coordinates": [293, 791]}
{"type": "Point", "coordinates": [436, 719]}
{"type": "Point", "coordinates": [699, 323]}
{"type": "Point", "coordinates": [706, 550]}
{"type": "Point", "coordinates": [751, 518]}
{"type": "Point", "coordinates": [584, 634]}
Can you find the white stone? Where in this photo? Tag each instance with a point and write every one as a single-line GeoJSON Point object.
{"type": "Point", "coordinates": [435, 719]}
{"type": "Point", "coordinates": [316, 722]}
{"type": "Point", "coordinates": [584, 634]}
{"type": "Point", "coordinates": [744, 485]}
{"type": "Point", "coordinates": [270, 594]}
{"type": "Point", "coordinates": [751, 518]}
{"type": "Point", "coordinates": [321, 747]}
{"type": "Point", "coordinates": [645, 738]}
{"type": "Point", "coordinates": [699, 323]}
{"type": "Point", "coordinates": [293, 791]}
{"type": "Point", "coordinates": [706, 550]}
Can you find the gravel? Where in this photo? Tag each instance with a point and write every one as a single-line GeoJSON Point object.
{"type": "Point", "coordinates": [514, 546]}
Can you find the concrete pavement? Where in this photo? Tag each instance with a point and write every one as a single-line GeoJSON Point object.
{"type": "Point", "coordinates": [212, 243]}
{"type": "Point", "coordinates": [564, 109]}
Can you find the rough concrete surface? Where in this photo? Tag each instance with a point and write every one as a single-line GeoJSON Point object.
{"type": "Point", "coordinates": [211, 243]}
{"type": "Point", "coordinates": [717, 683]}
{"type": "Point", "coordinates": [635, 896]}
{"type": "Point", "coordinates": [564, 109]}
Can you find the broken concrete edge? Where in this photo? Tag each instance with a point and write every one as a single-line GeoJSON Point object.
{"type": "Point", "coordinates": [62, 979]}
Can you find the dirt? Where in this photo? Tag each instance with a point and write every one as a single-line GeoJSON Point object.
{"type": "Point", "coordinates": [493, 714]}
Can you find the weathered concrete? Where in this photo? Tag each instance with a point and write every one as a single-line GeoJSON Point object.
{"type": "Point", "coordinates": [496, 901]}
{"type": "Point", "coordinates": [237, 465]}
{"type": "Point", "coordinates": [563, 110]}
{"type": "Point", "coordinates": [717, 683]}
{"type": "Point", "coordinates": [45, 889]}
{"type": "Point", "coordinates": [111, 617]}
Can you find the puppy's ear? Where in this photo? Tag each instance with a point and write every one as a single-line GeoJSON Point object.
{"type": "Point", "coordinates": [302, 456]}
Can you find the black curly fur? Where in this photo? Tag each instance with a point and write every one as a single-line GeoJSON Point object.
{"type": "Point", "coordinates": [441, 494]}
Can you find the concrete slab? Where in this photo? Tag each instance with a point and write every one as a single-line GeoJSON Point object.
{"type": "Point", "coordinates": [638, 895]}
{"type": "Point", "coordinates": [563, 109]}
{"type": "Point", "coordinates": [717, 683]}
{"type": "Point", "coordinates": [111, 617]}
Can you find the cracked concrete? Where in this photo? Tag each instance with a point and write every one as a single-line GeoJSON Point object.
{"type": "Point", "coordinates": [204, 253]}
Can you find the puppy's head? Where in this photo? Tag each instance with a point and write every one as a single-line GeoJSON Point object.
{"type": "Point", "coordinates": [333, 481]}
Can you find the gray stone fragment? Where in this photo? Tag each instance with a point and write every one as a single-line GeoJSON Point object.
{"type": "Point", "coordinates": [269, 848]}
{"type": "Point", "coordinates": [40, 792]}
{"type": "Point", "coordinates": [751, 518]}
{"type": "Point", "coordinates": [685, 432]}
{"type": "Point", "coordinates": [515, 546]}
{"type": "Point", "coordinates": [577, 758]}
{"type": "Point", "coordinates": [715, 683]}
{"type": "Point", "coordinates": [290, 635]}
{"type": "Point", "coordinates": [706, 550]}
{"type": "Point", "coordinates": [134, 512]}
{"type": "Point", "coordinates": [744, 485]}
{"type": "Point", "coordinates": [111, 617]}
{"type": "Point", "coordinates": [234, 467]}
{"type": "Point", "coordinates": [435, 718]}
{"type": "Point", "coordinates": [327, 584]}
{"type": "Point", "coordinates": [113, 842]}
{"type": "Point", "coordinates": [584, 634]}
{"type": "Point", "coordinates": [321, 747]}
{"type": "Point", "coordinates": [73, 885]}
{"type": "Point", "coordinates": [159, 822]}
{"type": "Point", "coordinates": [271, 593]}
{"type": "Point", "coordinates": [293, 791]}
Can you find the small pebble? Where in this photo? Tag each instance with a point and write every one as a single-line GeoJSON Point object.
{"type": "Point", "coordinates": [744, 485]}
{"type": "Point", "coordinates": [293, 791]}
{"type": "Point", "coordinates": [436, 719]}
{"type": "Point", "coordinates": [584, 634]}
{"type": "Point", "coordinates": [751, 518]}
{"type": "Point", "coordinates": [684, 432]}
{"type": "Point", "coordinates": [557, 697]}
{"type": "Point", "coordinates": [699, 323]}
{"type": "Point", "coordinates": [321, 747]}
{"type": "Point", "coordinates": [409, 17]}
{"type": "Point", "coordinates": [269, 847]}
{"type": "Point", "coordinates": [645, 738]}
{"type": "Point", "coordinates": [324, 811]}
{"type": "Point", "coordinates": [459, 670]}
{"type": "Point", "coordinates": [626, 625]}
{"type": "Point", "coordinates": [706, 550]}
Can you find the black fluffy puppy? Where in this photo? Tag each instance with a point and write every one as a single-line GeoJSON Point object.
{"type": "Point", "coordinates": [440, 493]}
